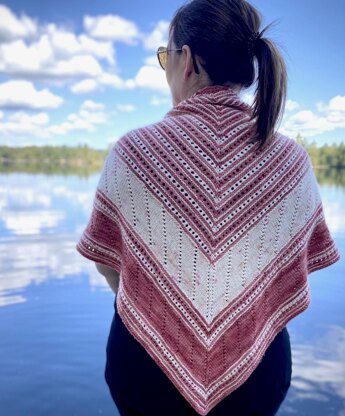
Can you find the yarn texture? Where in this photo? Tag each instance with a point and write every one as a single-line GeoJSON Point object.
{"type": "Point", "coordinates": [213, 240]}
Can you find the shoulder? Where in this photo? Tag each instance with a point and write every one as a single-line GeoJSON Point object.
{"type": "Point", "coordinates": [297, 158]}
{"type": "Point", "coordinates": [141, 135]}
{"type": "Point", "coordinates": [291, 144]}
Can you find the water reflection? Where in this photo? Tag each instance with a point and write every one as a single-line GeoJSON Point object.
{"type": "Point", "coordinates": [32, 222]}
{"type": "Point", "coordinates": [27, 261]}
{"type": "Point", "coordinates": [333, 177]}
{"type": "Point", "coordinates": [42, 217]}
{"type": "Point", "coordinates": [322, 362]}
{"type": "Point", "coordinates": [318, 384]}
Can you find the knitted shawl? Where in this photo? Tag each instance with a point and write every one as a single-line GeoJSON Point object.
{"type": "Point", "coordinates": [213, 240]}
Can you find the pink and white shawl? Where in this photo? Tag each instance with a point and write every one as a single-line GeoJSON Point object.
{"type": "Point", "coordinates": [213, 240]}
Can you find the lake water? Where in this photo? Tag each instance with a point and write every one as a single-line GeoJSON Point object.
{"type": "Point", "coordinates": [55, 310]}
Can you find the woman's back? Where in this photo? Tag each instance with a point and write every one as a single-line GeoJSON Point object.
{"type": "Point", "coordinates": [214, 240]}
{"type": "Point", "coordinates": [212, 219]}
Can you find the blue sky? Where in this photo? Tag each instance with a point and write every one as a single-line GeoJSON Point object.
{"type": "Point", "coordinates": [85, 72]}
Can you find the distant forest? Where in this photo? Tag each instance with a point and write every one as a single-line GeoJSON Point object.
{"type": "Point", "coordinates": [81, 160]}
{"type": "Point", "coordinates": [328, 160]}
{"type": "Point", "coordinates": [326, 156]}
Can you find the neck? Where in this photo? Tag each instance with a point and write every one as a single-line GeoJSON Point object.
{"type": "Point", "coordinates": [201, 82]}
{"type": "Point", "coordinates": [196, 87]}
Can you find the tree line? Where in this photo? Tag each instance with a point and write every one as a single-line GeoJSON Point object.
{"type": "Point", "coordinates": [326, 156]}
{"type": "Point", "coordinates": [328, 160]}
{"type": "Point", "coordinates": [80, 160]}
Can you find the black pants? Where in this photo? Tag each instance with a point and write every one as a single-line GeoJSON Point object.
{"type": "Point", "coordinates": [140, 388]}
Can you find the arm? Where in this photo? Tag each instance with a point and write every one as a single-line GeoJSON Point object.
{"type": "Point", "coordinates": [110, 274]}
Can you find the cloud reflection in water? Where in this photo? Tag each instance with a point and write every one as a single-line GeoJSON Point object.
{"type": "Point", "coordinates": [41, 219]}
{"type": "Point", "coordinates": [318, 383]}
{"type": "Point", "coordinates": [34, 259]}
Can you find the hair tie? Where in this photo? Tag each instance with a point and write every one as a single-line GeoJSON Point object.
{"type": "Point", "coordinates": [252, 41]}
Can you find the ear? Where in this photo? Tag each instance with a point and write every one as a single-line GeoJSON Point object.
{"type": "Point", "coordinates": [188, 62]}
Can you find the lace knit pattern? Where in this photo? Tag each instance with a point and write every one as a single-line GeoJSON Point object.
{"type": "Point", "coordinates": [213, 240]}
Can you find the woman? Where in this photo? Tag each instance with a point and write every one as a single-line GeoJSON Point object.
{"type": "Point", "coordinates": [209, 221]}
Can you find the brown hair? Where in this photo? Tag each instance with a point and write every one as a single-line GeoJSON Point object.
{"type": "Point", "coordinates": [219, 33]}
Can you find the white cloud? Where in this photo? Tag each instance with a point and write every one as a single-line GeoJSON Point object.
{"type": "Point", "coordinates": [126, 108]}
{"type": "Point", "coordinates": [152, 61]}
{"type": "Point", "coordinates": [20, 123]}
{"type": "Point", "coordinates": [39, 119]}
{"type": "Point", "coordinates": [337, 104]}
{"type": "Point", "coordinates": [308, 123]}
{"type": "Point", "coordinates": [291, 105]}
{"type": "Point", "coordinates": [66, 44]}
{"type": "Point", "coordinates": [111, 27]}
{"type": "Point", "coordinates": [56, 53]}
{"type": "Point", "coordinates": [304, 117]}
{"type": "Point", "coordinates": [74, 123]}
{"type": "Point", "coordinates": [85, 86]}
{"type": "Point", "coordinates": [148, 77]}
{"type": "Point", "coordinates": [158, 37]}
{"type": "Point", "coordinates": [335, 111]}
{"type": "Point", "coordinates": [93, 117]}
{"type": "Point", "coordinates": [115, 81]}
{"type": "Point", "coordinates": [321, 107]}
{"type": "Point", "coordinates": [78, 66]}
{"type": "Point", "coordinates": [12, 27]}
{"type": "Point", "coordinates": [22, 94]}
{"type": "Point", "coordinates": [90, 115]}
{"type": "Point", "coordinates": [99, 49]}
{"type": "Point", "coordinates": [39, 60]}
{"type": "Point", "coordinates": [248, 98]}
{"type": "Point", "coordinates": [152, 78]}
{"type": "Point", "coordinates": [156, 101]}
{"type": "Point", "coordinates": [92, 105]}
{"type": "Point", "coordinates": [90, 85]}
{"type": "Point", "coordinates": [19, 58]}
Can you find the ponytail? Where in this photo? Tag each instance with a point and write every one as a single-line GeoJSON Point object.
{"type": "Point", "coordinates": [211, 27]}
{"type": "Point", "coordinates": [270, 93]}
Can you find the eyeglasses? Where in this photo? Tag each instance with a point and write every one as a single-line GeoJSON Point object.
{"type": "Point", "coordinates": [162, 55]}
